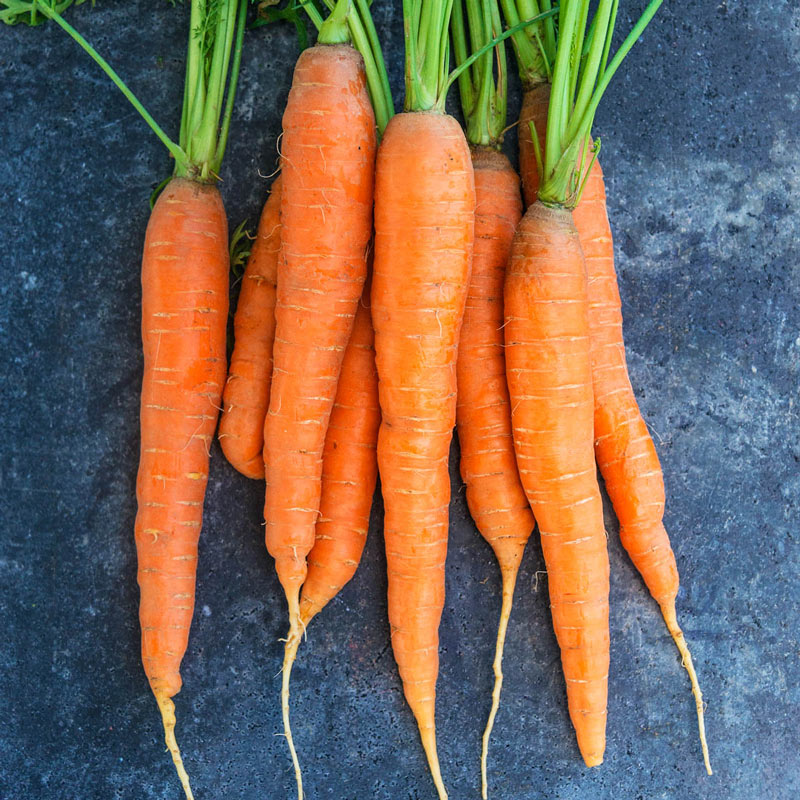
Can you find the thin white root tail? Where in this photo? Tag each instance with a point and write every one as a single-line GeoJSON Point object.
{"type": "Point", "coordinates": [429, 745]}
{"type": "Point", "coordinates": [668, 610]}
{"type": "Point", "coordinates": [509, 581]}
{"type": "Point", "coordinates": [167, 709]}
{"type": "Point", "coordinates": [289, 655]}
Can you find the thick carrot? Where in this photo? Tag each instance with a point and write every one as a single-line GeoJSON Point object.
{"type": "Point", "coordinates": [550, 382]}
{"type": "Point", "coordinates": [246, 396]}
{"type": "Point", "coordinates": [328, 151]}
{"type": "Point", "coordinates": [328, 162]}
{"type": "Point", "coordinates": [184, 316]}
{"type": "Point", "coordinates": [624, 449]}
{"type": "Point", "coordinates": [424, 223]}
{"type": "Point", "coordinates": [349, 472]}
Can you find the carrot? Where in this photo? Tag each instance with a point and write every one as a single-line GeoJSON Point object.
{"type": "Point", "coordinates": [349, 472]}
{"type": "Point", "coordinates": [424, 226]}
{"type": "Point", "coordinates": [328, 157]}
{"type": "Point", "coordinates": [495, 495]}
{"type": "Point", "coordinates": [184, 315]}
{"type": "Point", "coordinates": [624, 449]}
{"type": "Point", "coordinates": [246, 396]}
{"type": "Point", "coordinates": [550, 374]}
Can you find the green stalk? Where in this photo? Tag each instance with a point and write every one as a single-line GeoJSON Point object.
{"type": "Point", "coordinates": [334, 30]}
{"type": "Point", "coordinates": [534, 47]}
{"type": "Point", "coordinates": [483, 98]}
{"type": "Point", "coordinates": [580, 79]}
{"type": "Point", "coordinates": [177, 152]}
{"type": "Point", "coordinates": [222, 142]}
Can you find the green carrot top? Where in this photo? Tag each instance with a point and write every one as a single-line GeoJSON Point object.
{"type": "Point", "coordinates": [216, 32]}
{"type": "Point", "coordinates": [483, 93]}
{"type": "Point", "coordinates": [534, 46]}
{"type": "Point", "coordinates": [581, 75]}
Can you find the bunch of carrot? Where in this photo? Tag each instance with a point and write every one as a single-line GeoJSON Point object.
{"type": "Point", "coordinates": [395, 290]}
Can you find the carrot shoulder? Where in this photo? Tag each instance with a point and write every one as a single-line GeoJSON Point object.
{"type": "Point", "coordinates": [246, 396]}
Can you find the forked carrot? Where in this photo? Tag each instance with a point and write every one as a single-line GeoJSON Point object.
{"type": "Point", "coordinates": [246, 396]}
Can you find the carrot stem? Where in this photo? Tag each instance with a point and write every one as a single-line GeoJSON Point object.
{"type": "Point", "coordinates": [167, 709]}
{"type": "Point", "coordinates": [177, 152]}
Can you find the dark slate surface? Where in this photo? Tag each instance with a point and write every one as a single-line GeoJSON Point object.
{"type": "Point", "coordinates": [700, 147]}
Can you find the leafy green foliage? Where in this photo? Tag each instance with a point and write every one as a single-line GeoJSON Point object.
{"type": "Point", "coordinates": [28, 12]}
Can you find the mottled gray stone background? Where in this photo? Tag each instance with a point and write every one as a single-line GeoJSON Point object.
{"type": "Point", "coordinates": [701, 151]}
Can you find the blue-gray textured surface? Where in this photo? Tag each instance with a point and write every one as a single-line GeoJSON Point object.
{"type": "Point", "coordinates": [700, 147]}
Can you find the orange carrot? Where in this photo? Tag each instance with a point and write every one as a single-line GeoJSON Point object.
{"type": "Point", "coordinates": [550, 373]}
{"type": "Point", "coordinates": [424, 222]}
{"type": "Point", "coordinates": [550, 382]}
{"type": "Point", "coordinates": [349, 472]}
{"type": "Point", "coordinates": [246, 396]}
{"type": "Point", "coordinates": [625, 452]}
{"type": "Point", "coordinates": [184, 315]}
{"type": "Point", "coordinates": [495, 495]}
{"type": "Point", "coordinates": [328, 158]}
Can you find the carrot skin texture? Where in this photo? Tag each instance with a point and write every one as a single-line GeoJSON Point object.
{"type": "Point", "coordinates": [550, 383]}
{"type": "Point", "coordinates": [495, 495]}
{"type": "Point", "coordinates": [245, 399]}
{"type": "Point", "coordinates": [424, 227]}
{"type": "Point", "coordinates": [328, 156]}
{"type": "Point", "coordinates": [535, 101]}
{"type": "Point", "coordinates": [184, 316]}
{"type": "Point", "coordinates": [349, 473]}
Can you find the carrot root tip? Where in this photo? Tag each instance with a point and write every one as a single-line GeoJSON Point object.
{"type": "Point", "coordinates": [167, 709]}
{"type": "Point", "coordinates": [670, 617]}
{"type": "Point", "coordinates": [509, 581]}
{"type": "Point", "coordinates": [290, 653]}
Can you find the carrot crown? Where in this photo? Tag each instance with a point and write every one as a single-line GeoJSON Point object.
{"type": "Point", "coordinates": [212, 68]}
{"type": "Point", "coordinates": [356, 16]}
{"type": "Point", "coordinates": [535, 46]}
{"type": "Point", "coordinates": [581, 75]}
{"type": "Point", "coordinates": [483, 96]}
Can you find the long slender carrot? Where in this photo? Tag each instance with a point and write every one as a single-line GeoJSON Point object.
{"type": "Point", "coordinates": [184, 316]}
{"type": "Point", "coordinates": [424, 227]}
{"type": "Point", "coordinates": [328, 161]}
{"type": "Point", "coordinates": [495, 495]}
{"type": "Point", "coordinates": [624, 449]}
{"type": "Point", "coordinates": [246, 396]}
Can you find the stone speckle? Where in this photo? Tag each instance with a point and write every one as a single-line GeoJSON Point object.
{"type": "Point", "coordinates": [700, 147]}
